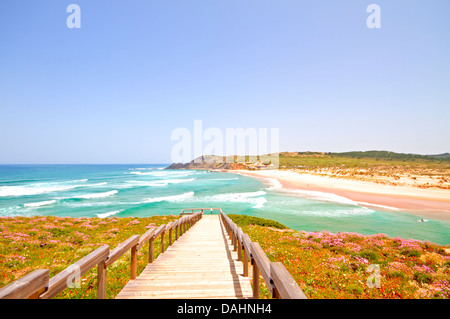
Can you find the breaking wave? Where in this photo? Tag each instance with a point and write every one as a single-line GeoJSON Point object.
{"type": "Point", "coordinates": [39, 204]}
{"type": "Point", "coordinates": [97, 195]}
{"type": "Point", "coordinates": [171, 198]}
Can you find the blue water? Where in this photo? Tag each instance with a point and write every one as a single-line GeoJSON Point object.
{"type": "Point", "coordinates": [146, 190]}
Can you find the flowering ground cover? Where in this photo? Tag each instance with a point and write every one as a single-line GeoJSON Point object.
{"type": "Point", "coordinates": [351, 265]}
{"type": "Point", "coordinates": [54, 243]}
{"type": "Point", "coordinates": [325, 265]}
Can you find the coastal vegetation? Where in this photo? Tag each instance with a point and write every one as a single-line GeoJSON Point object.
{"type": "Point", "coordinates": [328, 265]}
{"type": "Point", "coordinates": [381, 167]}
{"type": "Point", "coordinates": [324, 264]}
{"type": "Point", "coordinates": [54, 243]}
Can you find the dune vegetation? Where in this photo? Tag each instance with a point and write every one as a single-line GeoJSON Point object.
{"type": "Point", "coordinates": [325, 265]}
{"type": "Point", "coordinates": [351, 265]}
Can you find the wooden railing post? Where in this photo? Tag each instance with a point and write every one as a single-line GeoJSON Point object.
{"type": "Point", "coordinates": [239, 245]}
{"type": "Point", "coordinates": [245, 261]}
{"type": "Point", "coordinates": [285, 286]}
{"type": "Point", "coordinates": [59, 282]}
{"type": "Point", "coordinates": [133, 266]}
{"type": "Point", "coordinates": [255, 280]}
{"type": "Point", "coordinates": [247, 252]}
{"type": "Point", "coordinates": [26, 286]}
{"type": "Point", "coordinates": [150, 249]}
{"type": "Point", "coordinates": [162, 241]}
{"type": "Point", "coordinates": [101, 280]}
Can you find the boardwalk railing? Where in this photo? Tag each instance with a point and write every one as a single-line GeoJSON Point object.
{"type": "Point", "coordinates": [278, 280]}
{"type": "Point", "coordinates": [185, 211]}
{"type": "Point", "coordinates": [38, 285]}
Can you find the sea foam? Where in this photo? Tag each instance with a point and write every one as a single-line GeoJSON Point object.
{"type": "Point", "coordinates": [104, 215]}
{"type": "Point", "coordinates": [39, 204]}
{"type": "Point", "coordinates": [275, 184]}
{"type": "Point", "coordinates": [255, 198]}
{"type": "Point", "coordinates": [343, 212]}
{"type": "Point", "coordinates": [171, 198]}
{"type": "Point", "coordinates": [97, 195]}
{"type": "Point", "coordinates": [43, 188]}
{"type": "Point", "coordinates": [321, 196]}
{"type": "Point", "coordinates": [157, 183]}
{"type": "Point", "coordinates": [34, 190]}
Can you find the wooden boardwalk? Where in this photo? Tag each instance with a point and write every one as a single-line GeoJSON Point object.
{"type": "Point", "coordinates": [200, 264]}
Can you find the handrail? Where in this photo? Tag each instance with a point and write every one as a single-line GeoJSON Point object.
{"type": "Point", "coordinates": [38, 284]}
{"type": "Point", "coordinates": [26, 286]}
{"type": "Point", "coordinates": [146, 237]}
{"type": "Point", "coordinates": [285, 285]}
{"type": "Point", "coordinates": [117, 252]}
{"type": "Point", "coordinates": [199, 209]}
{"type": "Point", "coordinates": [278, 280]}
{"type": "Point", "coordinates": [62, 280]}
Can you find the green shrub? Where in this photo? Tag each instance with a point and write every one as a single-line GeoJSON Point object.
{"type": "Point", "coordinates": [356, 289]}
{"type": "Point", "coordinates": [410, 253]}
{"type": "Point", "coordinates": [369, 255]}
{"type": "Point", "coordinates": [396, 274]}
{"type": "Point", "coordinates": [422, 278]}
{"type": "Point", "coordinates": [60, 232]}
{"type": "Point", "coordinates": [243, 220]}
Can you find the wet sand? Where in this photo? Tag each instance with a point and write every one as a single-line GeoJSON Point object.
{"type": "Point", "coordinates": [426, 203]}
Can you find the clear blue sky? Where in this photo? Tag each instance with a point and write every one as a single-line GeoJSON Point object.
{"type": "Point", "coordinates": [115, 89]}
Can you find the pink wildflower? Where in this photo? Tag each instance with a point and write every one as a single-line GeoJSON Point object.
{"type": "Point", "coordinates": [133, 222]}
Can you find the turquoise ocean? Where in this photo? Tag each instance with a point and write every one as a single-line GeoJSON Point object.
{"type": "Point", "coordinates": [147, 190]}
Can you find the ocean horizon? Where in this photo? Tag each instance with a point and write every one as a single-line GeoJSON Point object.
{"type": "Point", "coordinates": [141, 190]}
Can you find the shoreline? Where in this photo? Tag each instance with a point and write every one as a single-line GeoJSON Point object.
{"type": "Point", "coordinates": [426, 203]}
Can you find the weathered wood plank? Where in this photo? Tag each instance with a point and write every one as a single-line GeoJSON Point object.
{"type": "Point", "coordinates": [159, 231]}
{"type": "Point", "coordinates": [286, 286]}
{"type": "Point", "coordinates": [262, 263]}
{"type": "Point", "coordinates": [101, 280]}
{"type": "Point", "coordinates": [59, 282]}
{"type": "Point", "coordinates": [121, 249]}
{"type": "Point", "coordinates": [146, 237]}
{"type": "Point", "coordinates": [26, 286]}
{"type": "Point", "coordinates": [199, 264]}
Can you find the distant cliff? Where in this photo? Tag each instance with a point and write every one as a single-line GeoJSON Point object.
{"type": "Point", "coordinates": [208, 162]}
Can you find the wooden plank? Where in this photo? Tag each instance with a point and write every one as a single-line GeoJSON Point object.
{"type": "Point", "coordinates": [255, 281]}
{"type": "Point", "coordinates": [121, 249]}
{"type": "Point", "coordinates": [59, 282]}
{"type": "Point", "coordinates": [146, 237]}
{"type": "Point", "coordinates": [150, 250]}
{"type": "Point", "coordinates": [26, 286]}
{"type": "Point", "coordinates": [262, 263]}
{"type": "Point", "coordinates": [199, 264]}
{"type": "Point", "coordinates": [286, 286]}
{"type": "Point", "coordinates": [159, 231]}
{"type": "Point", "coordinates": [168, 226]}
{"type": "Point", "coordinates": [247, 243]}
{"type": "Point", "coordinates": [101, 280]}
{"type": "Point", "coordinates": [133, 264]}
{"type": "Point", "coordinates": [239, 243]}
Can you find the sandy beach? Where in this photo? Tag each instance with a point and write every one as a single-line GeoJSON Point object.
{"type": "Point", "coordinates": [427, 203]}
